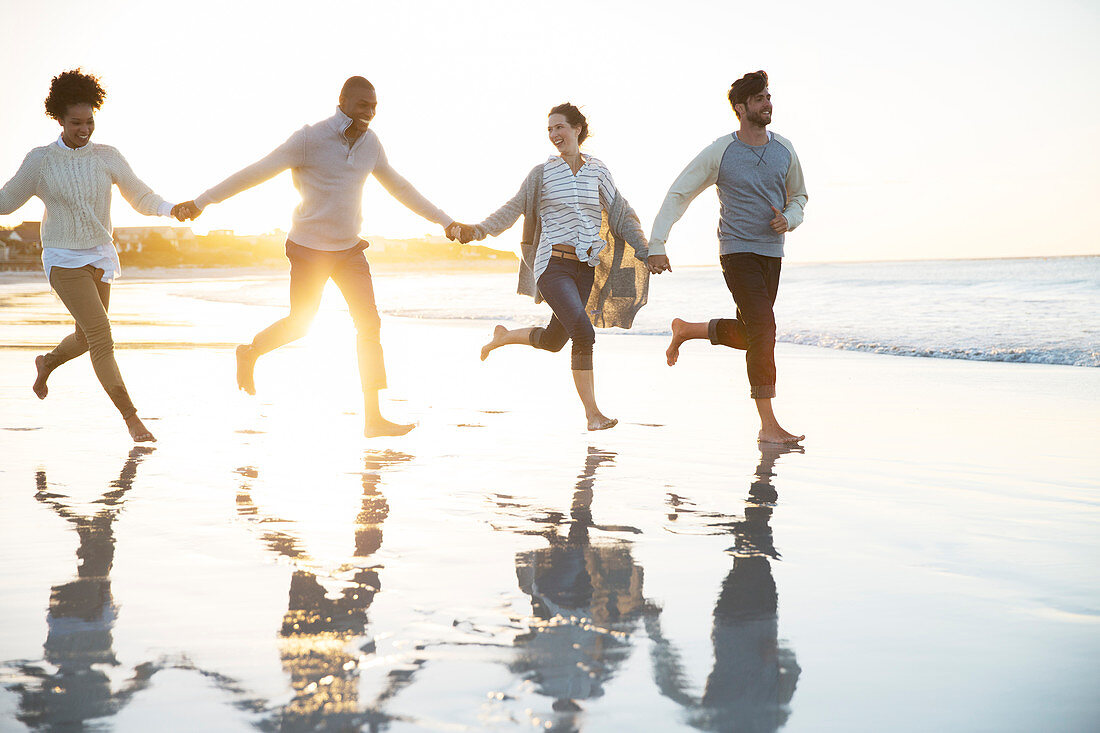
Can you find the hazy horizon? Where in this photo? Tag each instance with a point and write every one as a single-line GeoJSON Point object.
{"type": "Point", "coordinates": [908, 127]}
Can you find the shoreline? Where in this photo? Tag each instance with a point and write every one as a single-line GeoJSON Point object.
{"type": "Point", "coordinates": [940, 516]}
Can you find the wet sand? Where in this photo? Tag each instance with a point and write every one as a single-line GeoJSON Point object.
{"type": "Point", "coordinates": [927, 563]}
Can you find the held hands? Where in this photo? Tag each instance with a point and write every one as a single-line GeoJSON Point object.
{"type": "Point", "coordinates": [658, 264]}
{"type": "Point", "coordinates": [779, 223]}
{"type": "Point", "coordinates": [464, 233]}
{"type": "Point", "coordinates": [186, 211]}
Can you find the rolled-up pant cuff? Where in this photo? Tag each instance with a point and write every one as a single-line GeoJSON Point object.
{"type": "Point", "coordinates": [762, 391]}
{"type": "Point", "coordinates": [712, 331]}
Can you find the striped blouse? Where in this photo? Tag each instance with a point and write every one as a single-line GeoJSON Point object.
{"type": "Point", "coordinates": [570, 209]}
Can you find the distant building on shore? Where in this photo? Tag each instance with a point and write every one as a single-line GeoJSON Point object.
{"type": "Point", "coordinates": [133, 239]}
{"type": "Point", "coordinates": [21, 246]}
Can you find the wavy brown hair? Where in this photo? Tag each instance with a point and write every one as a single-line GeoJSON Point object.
{"type": "Point", "coordinates": [748, 85]}
{"type": "Point", "coordinates": [573, 116]}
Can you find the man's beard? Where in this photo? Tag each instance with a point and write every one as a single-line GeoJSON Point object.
{"type": "Point", "coordinates": [760, 119]}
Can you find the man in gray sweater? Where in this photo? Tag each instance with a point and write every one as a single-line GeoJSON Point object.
{"type": "Point", "coordinates": [329, 164]}
{"type": "Point", "coordinates": [762, 195]}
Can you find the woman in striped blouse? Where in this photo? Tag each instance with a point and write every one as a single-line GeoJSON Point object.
{"type": "Point", "coordinates": [563, 200]}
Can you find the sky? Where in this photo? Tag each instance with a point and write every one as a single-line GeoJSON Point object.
{"type": "Point", "coordinates": [938, 129]}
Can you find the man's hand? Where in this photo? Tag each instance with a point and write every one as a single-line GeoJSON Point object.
{"type": "Point", "coordinates": [185, 211]}
{"type": "Point", "coordinates": [779, 223]}
{"type": "Point", "coordinates": [465, 233]}
{"type": "Point", "coordinates": [658, 264]}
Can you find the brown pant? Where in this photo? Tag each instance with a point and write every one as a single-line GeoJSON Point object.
{"type": "Point", "coordinates": [86, 296]}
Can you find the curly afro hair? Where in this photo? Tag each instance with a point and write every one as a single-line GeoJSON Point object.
{"type": "Point", "coordinates": [73, 87]}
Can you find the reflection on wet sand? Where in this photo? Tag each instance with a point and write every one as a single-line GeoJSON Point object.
{"type": "Point", "coordinates": [318, 629]}
{"type": "Point", "coordinates": [80, 620]}
{"type": "Point", "coordinates": [754, 676]}
{"type": "Point", "coordinates": [586, 597]}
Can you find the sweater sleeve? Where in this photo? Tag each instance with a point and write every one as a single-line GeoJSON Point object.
{"type": "Point", "coordinates": [795, 184]}
{"type": "Point", "coordinates": [503, 218]}
{"type": "Point", "coordinates": [23, 185]}
{"type": "Point", "coordinates": [404, 192]}
{"type": "Point", "coordinates": [134, 190]}
{"type": "Point", "coordinates": [699, 175]}
{"type": "Point", "coordinates": [287, 155]}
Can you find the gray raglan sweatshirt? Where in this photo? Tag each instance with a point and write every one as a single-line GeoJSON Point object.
{"type": "Point", "coordinates": [751, 180]}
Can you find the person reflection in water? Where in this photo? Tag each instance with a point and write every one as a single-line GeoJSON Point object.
{"type": "Point", "coordinates": [80, 619]}
{"type": "Point", "coordinates": [753, 680]}
{"type": "Point", "coordinates": [318, 629]}
{"type": "Point", "coordinates": [586, 596]}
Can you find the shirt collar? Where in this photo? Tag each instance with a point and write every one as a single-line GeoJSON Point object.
{"type": "Point", "coordinates": [340, 122]}
{"type": "Point", "coordinates": [61, 144]}
{"type": "Point", "coordinates": [584, 160]}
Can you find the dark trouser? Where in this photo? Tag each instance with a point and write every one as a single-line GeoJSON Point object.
{"type": "Point", "coordinates": [87, 297]}
{"type": "Point", "coordinates": [565, 285]}
{"type": "Point", "coordinates": [753, 281]}
{"type": "Point", "coordinates": [310, 269]}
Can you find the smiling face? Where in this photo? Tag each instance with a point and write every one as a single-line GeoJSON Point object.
{"type": "Point", "coordinates": [360, 104]}
{"type": "Point", "coordinates": [757, 109]}
{"type": "Point", "coordinates": [77, 125]}
{"type": "Point", "coordinates": [563, 136]}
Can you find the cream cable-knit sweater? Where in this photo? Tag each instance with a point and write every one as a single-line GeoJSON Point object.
{"type": "Point", "coordinates": [75, 185]}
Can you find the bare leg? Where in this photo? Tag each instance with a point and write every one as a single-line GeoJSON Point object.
{"type": "Point", "coordinates": [683, 331]}
{"type": "Point", "coordinates": [40, 388]}
{"type": "Point", "coordinates": [770, 430]}
{"type": "Point", "coordinates": [376, 426]}
{"type": "Point", "coordinates": [246, 367]}
{"type": "Point", "coordinates": [138, 431]}
{"type": "Point", "coordinates": [502, 336]}
{"type": "Point", "coordinates": [586, 389]}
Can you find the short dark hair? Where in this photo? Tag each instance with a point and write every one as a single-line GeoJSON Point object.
{"type": "Point", "coordinates": [354, 82]}
{"type": "Point", "coordinates": [574, 117]}
{"type": "Point", "coordinates": [73, 87]}
{"type": "Point", "coordinates": [747, 86]}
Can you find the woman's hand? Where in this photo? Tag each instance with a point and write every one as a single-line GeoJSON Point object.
{"type": "Point", "coordinates": [185, 211]}
{"type": "Point", "coordinates": [464, 233]}
{"type": "Point", "coordinates": [658, 264]}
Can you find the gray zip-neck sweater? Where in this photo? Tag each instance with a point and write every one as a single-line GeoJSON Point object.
{"type": "Point", "coordinates": [329, 173]}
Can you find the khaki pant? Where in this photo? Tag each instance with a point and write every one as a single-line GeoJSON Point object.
{"type": "Point", "coordinates": [310, 270]}
{"type": "Point", "coordinates": [87, 298]}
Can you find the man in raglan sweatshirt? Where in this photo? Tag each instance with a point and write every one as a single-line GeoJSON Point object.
{"type": "Point", "coordinates": [329, 164]}
{"type": "Point", "coordinates": [762, 196]}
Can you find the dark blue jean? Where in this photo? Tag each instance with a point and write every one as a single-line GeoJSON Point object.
{"type": "Point", "coordinates": [565, 285]}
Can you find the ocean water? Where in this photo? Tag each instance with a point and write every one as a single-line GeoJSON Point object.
{"type": "Point", "coordinates": [1037, 310]}
{"type": "Point", "coordinates": [1034, 310]}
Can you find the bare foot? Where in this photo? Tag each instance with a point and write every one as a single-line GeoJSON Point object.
{"type": "Point", "coordinates": [40, 387]}
{"type": "Point", "coordinates": [602, 422]}
{"type": "Point", "coordinates": [138, 431]}
{"type": "Point", "coordinates": [672, 353]}
{"type": "Point", "coordinates": [381, 427]}
{"type": "Point", "coordinates": [497, 333]}
{"type": "Point", "coordinates": [246, 364]}
{"type": "Point", "coordinates": [778, 435]}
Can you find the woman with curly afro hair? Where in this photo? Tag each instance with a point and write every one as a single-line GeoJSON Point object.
{"type": "Point", "coordinates": [74, 177]}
